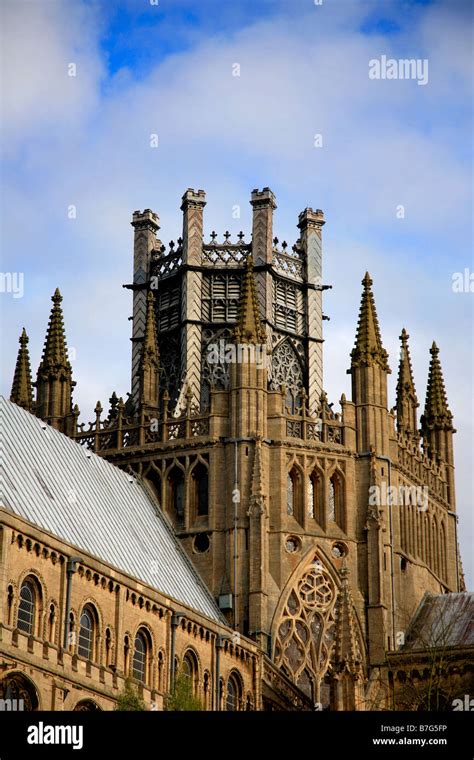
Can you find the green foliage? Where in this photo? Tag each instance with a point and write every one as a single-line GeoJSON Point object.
{"type": "Point", "coordinates": [182, 697]}
{"type": "Point", "coordinates": [128, 700]}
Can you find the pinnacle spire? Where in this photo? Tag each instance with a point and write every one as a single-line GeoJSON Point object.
{"type": "Point", "coordinates": [150, 342]}
{"type": "Point", "coordinates": [55, 347]}
{"type": "Point", "coordinates": [257, 496]}
{"type": "Point", "coordinates": [436, 405]}
{"type": "Point", "coordinates": [347, 656]}
{"type": "Point", "coordinates": [54, 381]}
{"type": "Point", "coordinates": [368, 344]}
{"type": "Point", "coordinates": [407, 401]}
{"type": "Point", "coordinates": [249, 328]}
{"type": "Point", "coordinates": [22, 389]}
{"type": "Point", "coordinates": [149, 360]}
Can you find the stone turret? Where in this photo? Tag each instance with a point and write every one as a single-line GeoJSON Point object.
{"type": "Point", "coordinates": [369, 370]}
{"type": "Point", "coordinates": [145, 224]}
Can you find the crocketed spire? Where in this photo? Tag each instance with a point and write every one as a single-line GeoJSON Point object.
{"type": "Point", "coordinates": [436, 412]}
{"type": "Point", "coordinates": [54, 382]}
{"type": "Point", "coordinates": [407, 401]}
{"type": "Point", "coordinates": [22, 388]}
{"type": "Point", "coordinates": [55, 347]}
{"type": "Point", "coordinates": [149, 360]}
{"type": "Point", "coordinates": [150, 343]}
{"type": "Point", "coordinates": [368, 344]}
{"type": "Point", "coordinates": [257, 492]}
{"type": "Point", "coordinates": [249, 328]}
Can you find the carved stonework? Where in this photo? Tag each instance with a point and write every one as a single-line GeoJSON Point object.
{"type": "Point", "coordinates": [306, 628]}
{"type": "Point", "coordinates": [286, 369]}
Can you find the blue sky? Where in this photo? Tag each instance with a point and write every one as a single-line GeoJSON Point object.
{"type": "Point", "coordinates": [167, 69]}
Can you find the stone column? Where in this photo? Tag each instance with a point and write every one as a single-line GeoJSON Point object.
{"type": "Point", "coordinates": [191, 294]}
{"type": "Point", "coordinates": [263, 205]}
{"type": "Point", "coordinates": [310, 224]}
{"type": "Point", "coordinates": [146, 225]}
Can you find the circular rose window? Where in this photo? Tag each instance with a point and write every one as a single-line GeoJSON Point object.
{"type": "Point", "coordinates": [292, 544]}
{"type": "Point", "coordinates": [339, 550]}
{"type": "Point", "coordinates": [201, 543]}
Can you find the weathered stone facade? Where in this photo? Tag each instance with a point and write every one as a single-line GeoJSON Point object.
{"type": "Point", "coordinates": [317, 531]}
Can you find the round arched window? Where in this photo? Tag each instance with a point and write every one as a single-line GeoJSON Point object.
{"type": "Point", "coordinates": [139, 657]}
{"type": "Point", "coordinates": [233, 693]}
{"type": "Point", "coordinates": [86, 635]}
{"type": "Point", "coordinates": [26, 608]}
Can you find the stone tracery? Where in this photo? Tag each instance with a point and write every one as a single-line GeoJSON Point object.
{"type": "Point", "coordinates": [306, 628]}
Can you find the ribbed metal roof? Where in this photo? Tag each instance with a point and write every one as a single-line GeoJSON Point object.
{"type": "Point", "coordinates": [442, 620]}
{"type": "Point", "coordinates": [72, 493]}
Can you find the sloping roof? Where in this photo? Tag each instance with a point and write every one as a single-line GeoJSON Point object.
{"type": "Point", "coordinates": [442, 620]}
{"type": "Point", "coordinates": [79, 497]}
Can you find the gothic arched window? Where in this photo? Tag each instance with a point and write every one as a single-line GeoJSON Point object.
{"type": "Point", "coordinates": [286, 370]}
{"type": "Point", "coordinates": [336, 511]}
{"type": "Point", "coordinates": [316, 497]}
{"type": "Point", "coordinates": [294, 496]}
{"type": "Point", "coordinates": [442, 539]}
{"type": "Point", "coordinates": [176, 495]}
{"type": "Point", "coordinates": [200, 490]}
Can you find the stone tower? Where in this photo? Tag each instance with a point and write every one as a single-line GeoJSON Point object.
{"type": "Point", "coordinates": [317, 531]}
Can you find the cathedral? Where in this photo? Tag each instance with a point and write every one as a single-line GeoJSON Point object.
{"type": "Point", "coordinates": [223, 519]}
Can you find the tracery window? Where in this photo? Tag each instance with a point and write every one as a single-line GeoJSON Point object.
{"type": "Point", "coordinates": [286, 370]}
{"type": "Point", "coordinates": [306, 629]}
{"type": "Point", "coordinates": [19, 688]}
